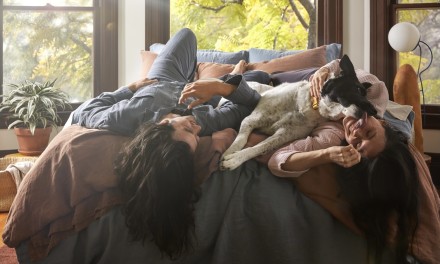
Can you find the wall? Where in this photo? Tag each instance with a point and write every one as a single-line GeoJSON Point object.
{"type": "Point", "coordinates": [131, 30]}
{"type": "Point", "coordinates": [132, 34]}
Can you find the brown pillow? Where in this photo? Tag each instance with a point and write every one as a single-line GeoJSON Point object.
{"type": "Point", "coordinates": [212, 70]}
{"type": "Point", "coordinates": [148, 58]}
{"type": "Point", "coordinates": [406, 91]}
{"type": "Point", "coordinates": [307, 59]}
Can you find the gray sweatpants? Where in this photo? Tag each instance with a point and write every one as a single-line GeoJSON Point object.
{"type": "Point", "coordinates": [178, 60]}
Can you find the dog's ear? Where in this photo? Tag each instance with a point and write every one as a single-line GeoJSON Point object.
{"type": "Point", "coordinates": [363, 88]}
{"type": "Point", "coordinates": [366, 85]}
{"type": "Point", "coordinates": [347, 68]}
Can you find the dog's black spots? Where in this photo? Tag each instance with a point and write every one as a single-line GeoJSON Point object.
{"type": "Point", "coordinates": [347, 90]}
{"type": "Point", "coordinates": [286, 113]}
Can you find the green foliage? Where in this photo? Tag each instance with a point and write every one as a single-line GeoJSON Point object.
{"type": "Point", "coordinates": [34, 105]}
{"type": "Point", "coordinates": [48, 45]}
{"type": "Point", "coordinates": [238, 25]}
{"type": "Point", "coordinates": [424, 19]}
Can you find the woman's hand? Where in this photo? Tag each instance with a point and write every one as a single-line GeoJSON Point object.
{"type": "Point", "coordinates": [317, 80]}
{"type": "Point", "coordinates": [204, 90]}
{"type": "Point", "coordinates": [141, 83]}
{"type": "Point", "coordinates": [345, 156]}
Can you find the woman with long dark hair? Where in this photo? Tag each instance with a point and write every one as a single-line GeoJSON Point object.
{"type": "Point", "coordinates": [383, 191]}
{"type": "Point", "coordinates": [377, 176]}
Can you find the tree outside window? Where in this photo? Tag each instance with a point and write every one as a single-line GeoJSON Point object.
{"type": "Point", "coordinates": [427, 20]}
{"type": "Point", "coordinates": [47, 41]}
{"type": "Point", "coordinates": [239, 25]}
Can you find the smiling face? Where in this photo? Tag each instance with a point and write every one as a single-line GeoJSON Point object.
{"type": "Point", "coordinates": [186, 129]}
{"type": "Point", "coordinates": [368, 137]}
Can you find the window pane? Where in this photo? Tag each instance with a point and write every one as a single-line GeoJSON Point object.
{"type": "Point", "coordinates": [44, 46]}
{"type": "Point", "coordinates": [51, 2]}
{"type": "Point", "coordinates": [428, 23]}
{"type": "Point", "coordinates": [239, 25]}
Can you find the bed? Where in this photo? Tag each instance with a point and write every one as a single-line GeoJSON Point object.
{"type": "Point", "coordinates": [68, 208]}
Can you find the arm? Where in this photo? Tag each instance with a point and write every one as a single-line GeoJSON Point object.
{"type": "Point", "coordinates": [321, 147]}
{"type": "Point", "coordinates": [318, 79]}
{"type": "Point", "coordinates": [234, 88]}
{"type": "Point", "coordinates": [101, 110]}
{"type": "Point", "coordinates": [241, 101]}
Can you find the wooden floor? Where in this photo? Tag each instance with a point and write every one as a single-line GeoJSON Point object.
{"type": "Point", "coordinates": [2, 225]}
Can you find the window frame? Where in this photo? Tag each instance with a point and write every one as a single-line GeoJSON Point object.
{"type": "Point", "coordinates": [105, 47]}
{"type": "Point", "coordinates": [383, 57]}
{"type": "Point", "coordinates": [329, 22]}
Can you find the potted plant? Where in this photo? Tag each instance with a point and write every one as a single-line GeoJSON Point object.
{"type": "Point", "coordinates": [33, 109]}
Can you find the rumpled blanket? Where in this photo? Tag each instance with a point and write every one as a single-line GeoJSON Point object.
{"type": "Point", "coordinates": [70, 166]}
{"type": "Point", "coordinates": [72, 183]}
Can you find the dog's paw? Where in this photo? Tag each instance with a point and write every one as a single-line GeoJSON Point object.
{"type": "Point", "coordinates": [231, 161]}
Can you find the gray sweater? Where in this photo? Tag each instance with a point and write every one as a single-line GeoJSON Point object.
{"type": "Point", "coordinates": [122, 111]}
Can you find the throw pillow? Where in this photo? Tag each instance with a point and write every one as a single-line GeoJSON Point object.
{"type": "Point", "coordinates": [222, 57]}
{"type": "Point", "coordinates": [148, 58]}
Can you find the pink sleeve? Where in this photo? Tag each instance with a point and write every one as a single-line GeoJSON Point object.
{"type": "Point", "coordinates": [325, 135]}
{"type": "Point", "coordinates": [333, 66]}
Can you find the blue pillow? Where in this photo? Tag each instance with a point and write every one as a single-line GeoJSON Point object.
{"type": "Point", "coordinates": [211, 55]}
{"type": "Point", "coordinates": [156, 47]}
{"type": "Point", "coordinates": [333, 52]}
{"type": "Point", "coordinates": [258, 55]}
{"type": "Point", "coordinates": [403, 125]}
{"type": "Point", "coordinates": [222, 57]}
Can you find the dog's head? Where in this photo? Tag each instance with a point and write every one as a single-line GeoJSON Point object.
{"type": "Point", "coordinates": [345, 94]}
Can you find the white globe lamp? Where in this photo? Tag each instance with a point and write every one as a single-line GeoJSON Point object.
{"type": "Point", "coordinates": [404, 37]}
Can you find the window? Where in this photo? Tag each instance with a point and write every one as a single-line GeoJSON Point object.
{"type": "Point", "coordinates": [427, 20]}
{"type": "Point", "coordinates": [425, 14]}
{"type": "Point", "coordinates": [240, 25]}
{"type": "Point", "coordinates": [328, 20]}
{"type": "Point", "coordinates": [72, 41]}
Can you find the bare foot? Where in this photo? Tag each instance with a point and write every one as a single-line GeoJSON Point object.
{"type": "Point", "coordinates": [240, 67]}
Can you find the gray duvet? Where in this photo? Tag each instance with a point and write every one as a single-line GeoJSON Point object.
{"type": "Point", "coordinates": [244, 216]}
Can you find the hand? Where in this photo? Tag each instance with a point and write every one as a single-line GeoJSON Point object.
{"type": "Point", "coordinates": [141, 83]}
{"type": "Point", "coordinates": [204, 90]}
{"type": "Point", "coordinates": [345, 156]}
{"type": "Point", "coordinates": [317, 80]}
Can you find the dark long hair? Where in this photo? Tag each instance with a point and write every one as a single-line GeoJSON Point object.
{"type": "Point", "coordinates": [157, 180]}
{"type": "Point", "coordinates": [384, 190]}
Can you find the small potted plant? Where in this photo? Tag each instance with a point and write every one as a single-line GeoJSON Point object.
{"type": "Point", "coordinates": [33, 109]}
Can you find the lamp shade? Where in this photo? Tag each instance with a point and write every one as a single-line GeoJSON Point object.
{"type": "Point", "coordinates": [404, 37]}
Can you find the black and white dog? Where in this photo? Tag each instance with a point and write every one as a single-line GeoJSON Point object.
{"type": "Point", "coordinates": [286, 113]}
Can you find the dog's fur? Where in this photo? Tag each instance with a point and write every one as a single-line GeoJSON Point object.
{"type": "Point", "coordinates": [286, 113]}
